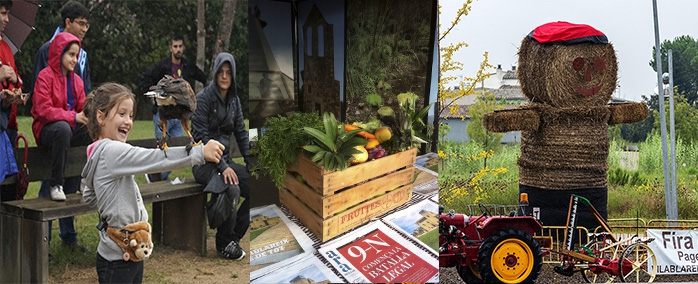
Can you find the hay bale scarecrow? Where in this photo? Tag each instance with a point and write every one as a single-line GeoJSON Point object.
{"type": "Point", "coordinates": [568, 73]}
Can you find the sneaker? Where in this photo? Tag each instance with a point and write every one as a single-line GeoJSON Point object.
{"type": "Point", "coordinates": [57, 193]}
{"type": "Point", "coordinates": [232, 251]}
{"type": "Point", "coordinates": [77, 247]}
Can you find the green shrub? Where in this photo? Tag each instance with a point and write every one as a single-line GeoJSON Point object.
{"type": "Point", "coordinates": [622, 177]}
{"type": "Point", "coordinates": [630, 193]}
{"type": "Point", "coordinates": [282, 140]}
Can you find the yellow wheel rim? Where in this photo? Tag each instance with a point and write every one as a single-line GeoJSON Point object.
{"type": "Point", "coordinates": [512, 261]}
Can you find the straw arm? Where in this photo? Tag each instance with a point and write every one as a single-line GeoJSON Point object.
{"type": "Point", "coordinates": [627, 113]}
{"type": "Point", "coordinates": [512, 120]}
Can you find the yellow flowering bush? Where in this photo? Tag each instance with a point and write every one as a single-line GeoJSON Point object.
{"type": "Point", "coordinates": [453, 188]}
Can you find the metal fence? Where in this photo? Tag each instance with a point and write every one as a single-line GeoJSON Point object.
{"type": "Point", "coordinates": [622, 229]}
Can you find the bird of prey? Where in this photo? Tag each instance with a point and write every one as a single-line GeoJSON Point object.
{"type": "Point", "coordinates": [175, 99]}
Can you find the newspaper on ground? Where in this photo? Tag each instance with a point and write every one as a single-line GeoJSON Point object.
{"type": "Point", "coordinates": [308, 269]}
{"type": "Point", "coordinates": [426, 181]}
{"type": "Point", "coordinates": [275, 241]}
{"type": "Point", "coordinates": [435, 198]}
{"type": "Point", "coordinates": [376, 253]}
{"type": "Point", "coordinates": [419, 221]}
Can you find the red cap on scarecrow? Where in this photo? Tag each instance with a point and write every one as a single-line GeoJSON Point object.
{"type": "Point", "coordinates": [566, 33]}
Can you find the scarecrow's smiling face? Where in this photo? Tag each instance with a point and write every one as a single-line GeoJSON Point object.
{"type": "Point", "coordinates": [582, 75]}
{"type": "Point", "coordinates": [586, 68]}
{"type": "Point", "coordinates": [567, 65]}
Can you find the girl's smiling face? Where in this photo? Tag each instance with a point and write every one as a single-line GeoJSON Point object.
{"type": "Point", "coordinates": [70, 58]}
{"type": "Point", "coordinates": [117, 122]}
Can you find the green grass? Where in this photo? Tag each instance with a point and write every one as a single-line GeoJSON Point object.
{"type": "Point", "coordinates": [63, 258]}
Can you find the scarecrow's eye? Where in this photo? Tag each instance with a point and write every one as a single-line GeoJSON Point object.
{"type": "Point", "coordinates": [599, 64]}
{"type": "Point", "coordinates": [578, 63]}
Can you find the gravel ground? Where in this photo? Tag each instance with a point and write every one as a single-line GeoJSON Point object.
{"type": "Point", "coordinates": [548, 276]}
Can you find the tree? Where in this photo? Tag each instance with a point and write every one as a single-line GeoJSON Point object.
{"type": "Point", "coordinates": [486, 103]}
{"type": "Point", "coordinates": [126, 37]}
{"type": "Point", "coordinates": [200, 38]}
{"type": "Point", "coordinates": [685, 119]}
{"type": "Point", "coordinates": [447, 100]}
{"type": "Point", "coordinates": [638, 131]}
{"type": "Point", "coordinates": [225, 27]}
{"type": "Point", "coordinates": [685, 64]}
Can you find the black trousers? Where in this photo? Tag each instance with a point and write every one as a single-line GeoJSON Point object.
{"type": "Point", "coordinates": [8, 192]}
{"type": "Point", "coordinates": [59, 137]}
{"type": "Point", "coordinates": [119, 271]}
{"type": "Point", "coordinates": [554, 205]}
{"type": "Point", "coordinates": [232, 229]}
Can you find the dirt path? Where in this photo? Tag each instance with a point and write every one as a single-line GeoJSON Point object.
{"type": "Point", "coordinates": [175, 266]}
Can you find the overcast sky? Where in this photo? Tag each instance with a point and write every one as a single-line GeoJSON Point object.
{"type": "Point", "coordinates": [498, 26]}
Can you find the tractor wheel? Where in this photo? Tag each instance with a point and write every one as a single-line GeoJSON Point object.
{"type": "Point", "coordinates": [602, 249]}
{"type": "Point", "coordinates": [510, 255]}
{"type": "Point", "coordinates": [637, 264]}
{"type": "Point", "coordinates": [469, 274]}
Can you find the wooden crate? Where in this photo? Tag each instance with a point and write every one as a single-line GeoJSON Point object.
{"type": "Point", "coordinates": [326, 229]}
{"type": "Point", "coordinates": [332, 202]}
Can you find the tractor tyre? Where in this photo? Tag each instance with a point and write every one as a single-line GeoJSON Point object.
{"type": "Point", "coordinates": [510, 255]}
{"type": "Point", "coordinates": [469, 274]}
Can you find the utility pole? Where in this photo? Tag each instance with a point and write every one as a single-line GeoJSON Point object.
{"type": "Point", "coordinates": [673, 208]}
{"type": "Point", "coordinates": [662, 117]}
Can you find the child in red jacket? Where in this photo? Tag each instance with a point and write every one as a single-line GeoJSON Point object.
{"type": "Point", "coordinates": [57, 107]}
{"type": "Point", "coordinates": [59, 121]}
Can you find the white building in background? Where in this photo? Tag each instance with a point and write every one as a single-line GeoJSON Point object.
{"type": "Point", "coordinates": [504, 85]}
{"type": "Point", "coordinates": [501, 78]}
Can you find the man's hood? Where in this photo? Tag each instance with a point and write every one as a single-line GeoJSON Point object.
{"type": "Point", "coordinates": [57, 47]}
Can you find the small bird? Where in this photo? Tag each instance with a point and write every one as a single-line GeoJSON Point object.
{"type": "Point", "coordinates": [175, 99]}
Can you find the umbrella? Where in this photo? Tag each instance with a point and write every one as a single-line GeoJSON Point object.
{"type": "Point", "coordinates": [22, 16]}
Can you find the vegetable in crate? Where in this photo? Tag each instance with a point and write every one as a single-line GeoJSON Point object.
{"type": "Point", "coordinates": [333, 148]}
{"type": "Point", "coordinates": [407, 124]}
{"type": "Point", "coordinates": [281, 142]}
{"type": "Point", "coordinates": [376, 152]}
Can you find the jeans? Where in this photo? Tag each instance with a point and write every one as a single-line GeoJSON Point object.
{"type": "Point", "coordinates": [174, 128]}
{"type": "Point", "coordinates": [58, 137]}
{"type": "Point", "coordinates": [232, 229]}
{"type": "Point", "coordinates": [67, 229]}
{"type": "Point", "coordinates": [119, 271]}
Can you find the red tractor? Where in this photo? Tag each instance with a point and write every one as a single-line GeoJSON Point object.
{"type": "Point", "coordinates": [490, 249]}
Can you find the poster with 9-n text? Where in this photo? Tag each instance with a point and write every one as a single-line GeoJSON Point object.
{"type": "Point", "coordinates": [376, 253]}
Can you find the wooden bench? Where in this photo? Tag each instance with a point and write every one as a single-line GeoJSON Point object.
{"type": "Point", "coordinates": [178, 216]}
